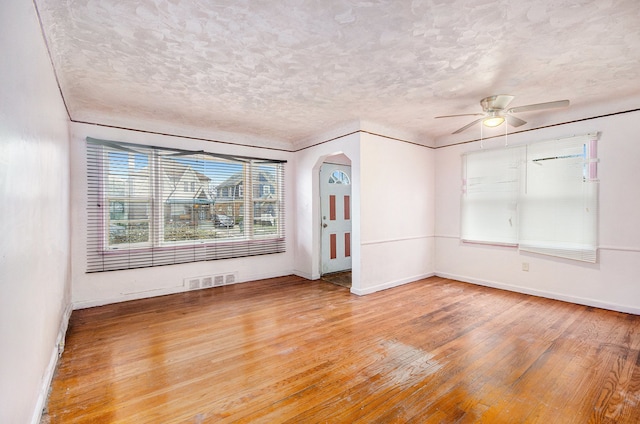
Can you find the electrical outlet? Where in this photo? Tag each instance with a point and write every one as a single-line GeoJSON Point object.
{"type": "Point", "coordinates": [525, 266]}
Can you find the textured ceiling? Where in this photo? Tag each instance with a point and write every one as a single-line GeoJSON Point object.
{"type": "Point", "coordinates": [290, 70]}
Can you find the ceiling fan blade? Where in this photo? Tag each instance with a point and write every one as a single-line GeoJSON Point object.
{"type": "Point", "coordinates": [539, 106]}
{"type": "Point", "coordinates": [464, 114]}
{"type": "Point", "coordinates": [467, 126]}
{"type": "Point", "coordinates": [501, 101]}
{"type": "Point", "coordinates": [513, 121]}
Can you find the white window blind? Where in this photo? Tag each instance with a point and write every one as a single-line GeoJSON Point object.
{"type": "Point", "coordinates": [542, 197]}
{"type": "Point", "coordinates": [490, 196]}
{"type": "Point", "coordinates": [151, 206]}
{"type": "Point", "coordinates": [559, 203]}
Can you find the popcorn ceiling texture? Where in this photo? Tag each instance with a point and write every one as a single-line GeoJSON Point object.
{"type": "Point", "coordinates": [290, 69]}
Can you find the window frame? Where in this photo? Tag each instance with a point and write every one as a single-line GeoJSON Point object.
{"type": "Point", "coordinates": [104, 255]}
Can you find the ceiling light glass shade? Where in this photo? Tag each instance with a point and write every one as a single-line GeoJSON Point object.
{"type": "Point", "coordinates": [493, 121]}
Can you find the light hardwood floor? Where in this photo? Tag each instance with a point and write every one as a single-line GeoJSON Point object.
{"type": "Point", "coordinates": [299, 351]}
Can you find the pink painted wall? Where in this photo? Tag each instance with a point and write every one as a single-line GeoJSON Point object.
{"type": "Point", "coordinates": [612, 282]}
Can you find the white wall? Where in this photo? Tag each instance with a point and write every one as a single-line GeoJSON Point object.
{"type": "Point", "coordinates": [34, 216]}
{"type": "Point", "coordinates": [116, 286]}
{"type": "Point", "coordinates": [393, 210]}
{"type": "Point", "coordinates": [612, 282]}
{"type": "Point", "coordinates": [397, 213]}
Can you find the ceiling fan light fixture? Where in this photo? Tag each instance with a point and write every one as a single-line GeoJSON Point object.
{"type": "Point", "coordinates": [493, 121]}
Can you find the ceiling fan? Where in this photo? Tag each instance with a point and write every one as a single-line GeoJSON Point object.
{"type": "Point", "coordinates": [496, 112]}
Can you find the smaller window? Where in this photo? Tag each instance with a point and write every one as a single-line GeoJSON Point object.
{"type": "Point", "coordinates": [266, 190]}
{"type": "Point", "coordinates": [193, 186]}
{"type": "Point", "coordinates": [339, 177]}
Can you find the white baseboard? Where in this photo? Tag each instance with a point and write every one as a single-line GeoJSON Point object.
{"type": "Point", "coordinates": [306, 275]}
{"type": "Point", "coordinates": [390, 284]}
{"type": "Point", "coordinates": [541, 293]}
{"type": "Point", "coordinates": [125, 297]}
{"type": "Point", "coordinates": [256, 277]}
{"type": "Point", "coordinates": [47, 377]}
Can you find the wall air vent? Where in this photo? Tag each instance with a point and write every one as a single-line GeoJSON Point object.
{"type": "Point", "coordinates": [207, 282]}
{"type": "Point", "coordinates": [192, 283]}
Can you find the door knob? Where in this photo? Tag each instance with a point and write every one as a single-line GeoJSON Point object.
{"type": "Point", "coordinates": [324, 225]}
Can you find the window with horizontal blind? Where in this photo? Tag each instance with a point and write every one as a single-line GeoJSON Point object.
{"type": "Point", "coordinates": [542, 197]}
{"type": "Point", "coordinates": [151, 206]}
{"type": "Point", "coordinates": [559, 199]}
{"type": "Point", "coordinates": [490, 196]}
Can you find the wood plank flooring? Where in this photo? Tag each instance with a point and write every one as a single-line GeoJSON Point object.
{"type": "Point", "coordinates": [289, 350]}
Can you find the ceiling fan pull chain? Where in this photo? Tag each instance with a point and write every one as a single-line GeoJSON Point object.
{"type": "Point", "coordinates": [481, 146]}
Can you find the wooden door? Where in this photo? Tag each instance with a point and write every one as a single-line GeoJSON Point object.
{"type": "Point", "coordinates": [335, 193]}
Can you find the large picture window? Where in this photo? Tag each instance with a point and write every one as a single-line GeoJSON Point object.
{"type": "Point", "coordinates": [542, 197]}
{"type": "Point", "coordinates": [151, 206]}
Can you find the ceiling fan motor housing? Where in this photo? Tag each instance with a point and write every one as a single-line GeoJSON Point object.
{"type": "Point", "coordinates": [496, 103]}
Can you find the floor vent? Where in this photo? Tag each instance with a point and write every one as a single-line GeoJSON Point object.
{"type": "Point", "coordinates": [229, 279]}
{"type": "Point", "coordinates": [218, 280]}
